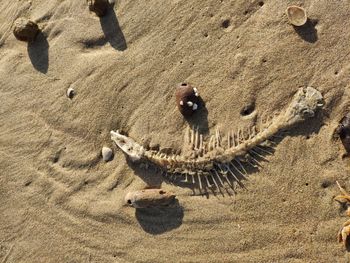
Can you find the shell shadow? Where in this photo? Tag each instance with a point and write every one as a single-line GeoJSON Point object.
{"type": "Point", "coordinates": [200, 118]}
{"type": "Point", "coordinates": [111, 29]}
{"type": "Point", "coordinates": [156, 221]}
{"type": "Point", "coordinates": [151, 176]}
{"type": "Point", "coordinates": [307, 32]}
{"type": "Point", "coordinates": [311, 126]}
{"type": "Point", "coordinates": [38, 52]}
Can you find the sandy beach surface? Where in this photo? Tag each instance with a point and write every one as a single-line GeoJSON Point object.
{"type": "Point", "coordinates": [60, 202]}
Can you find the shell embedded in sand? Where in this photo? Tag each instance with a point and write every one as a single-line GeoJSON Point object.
{"type": "Point", "coordinates": [149, 198]}
{"type": "Point", "coordinates": [25, 29]}
{"type": "Point", "coordinates": [296, 15]}
{"type": "Point", "coordinates": [70, 93]}
{"type": "Point", "coordinates": [107, 154]}
{"type": "Point", "coordinates": [187, 99]}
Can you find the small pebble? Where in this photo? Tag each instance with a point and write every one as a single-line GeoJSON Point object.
{"type": "Point", "coordinates": [296, 15]}
{"type": "Point", "coordinates": [187, 99]}
{"type": "Point", "coordinates": [70, 93]}
{"type": "Point", "coordinates": [107, 154]}
{"type": "Point", "coordinates": [25, 30]}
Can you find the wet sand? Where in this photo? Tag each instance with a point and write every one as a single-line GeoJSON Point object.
{"type": "Point", "coordinates": [60, 202]}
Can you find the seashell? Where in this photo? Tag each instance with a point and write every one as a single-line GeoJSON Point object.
{"type": "Point", "coordinates": [344, 233]}
{"type": "Point", "coordinates": [99, 7]}
{"type": "Point", "coordinates": [150, 198]}
{"type": "Point", "coordinates": [70, 93]}
{"type": "Point", "coordinates": [296, 15]}
{"type": "Point", "coordinates": [107, 154]}
{"type": "Point", "coordinates": [343, 130]}
{"type": "Point", "coordinates": [187, 99]}
{"type": "Point", "coordinates": [25, 29]}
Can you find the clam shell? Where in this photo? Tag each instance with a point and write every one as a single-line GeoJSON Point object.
{"type": "Point", "coordinates": [296, 15]}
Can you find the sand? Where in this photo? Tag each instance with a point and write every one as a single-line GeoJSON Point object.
{"type": "Point", "coordinates": [60, 202]}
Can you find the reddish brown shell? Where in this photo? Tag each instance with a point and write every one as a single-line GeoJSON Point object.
{"type": "Point", "coordinates": [343, 131]}
{"type": "Point", "coordinates": [185, 93]}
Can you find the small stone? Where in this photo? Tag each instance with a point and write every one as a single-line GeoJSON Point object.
{"type": "Point", "coordinates": [25, 30]}
{"type": "Point", "coordinates": [187, 99]}
{"type": "Point", "coordinates": [296, 15]}
{"type": "Point", "coordinates": [70, 93]}
{"type": "Point", "coordinates": [107, 154]}
{"type": "Point", "coordinates": [99, 7]}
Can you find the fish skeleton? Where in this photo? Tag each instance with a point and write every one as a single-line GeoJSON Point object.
{"type": "Point", "coordinates": [221, 160]}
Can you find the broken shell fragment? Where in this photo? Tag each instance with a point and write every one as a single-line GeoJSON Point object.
{"type": "Point", "coordinates": [343, 236]}
{"type": "Point", "coordinates": [343, 130]}
{"type": "Point", "coordinates": [296, 15]}
{"type": "Point", "coordinates": [150, 198]}
{"type": "Point", "coordinates": [344, 233]}
{"type": "Point", "coordinates": [25, 29]}
{"type": "Point", "coordinates": [99, 7]}
{"type": "Point", "coordinates": [187, 99]}
{"type": "Point", "coordinates": [107, 154]}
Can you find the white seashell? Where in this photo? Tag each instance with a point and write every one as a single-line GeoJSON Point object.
{"type": "Point", "coordinates": [70, 93]}
{"type": "Point", "coordinates": [107, 154]}
{"type": "Point", "coordinates": [296, 15]}
{"type": "Point", "coordinates": [189, 103]}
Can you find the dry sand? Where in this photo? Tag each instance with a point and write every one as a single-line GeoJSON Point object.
{"type": "Point", "coordinates": [60, 202]}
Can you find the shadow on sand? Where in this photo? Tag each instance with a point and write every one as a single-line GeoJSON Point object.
{"type": "Point", "coordinates": [199, 120]}
{"type": "Point", "coordinates": [308, 32]}
{"type": "Point", "coordinates": [160, 220]}
{"type": "Point", "coordinates": [112, 31]}
{"type": "Point", "coordinates": [38, 52]}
